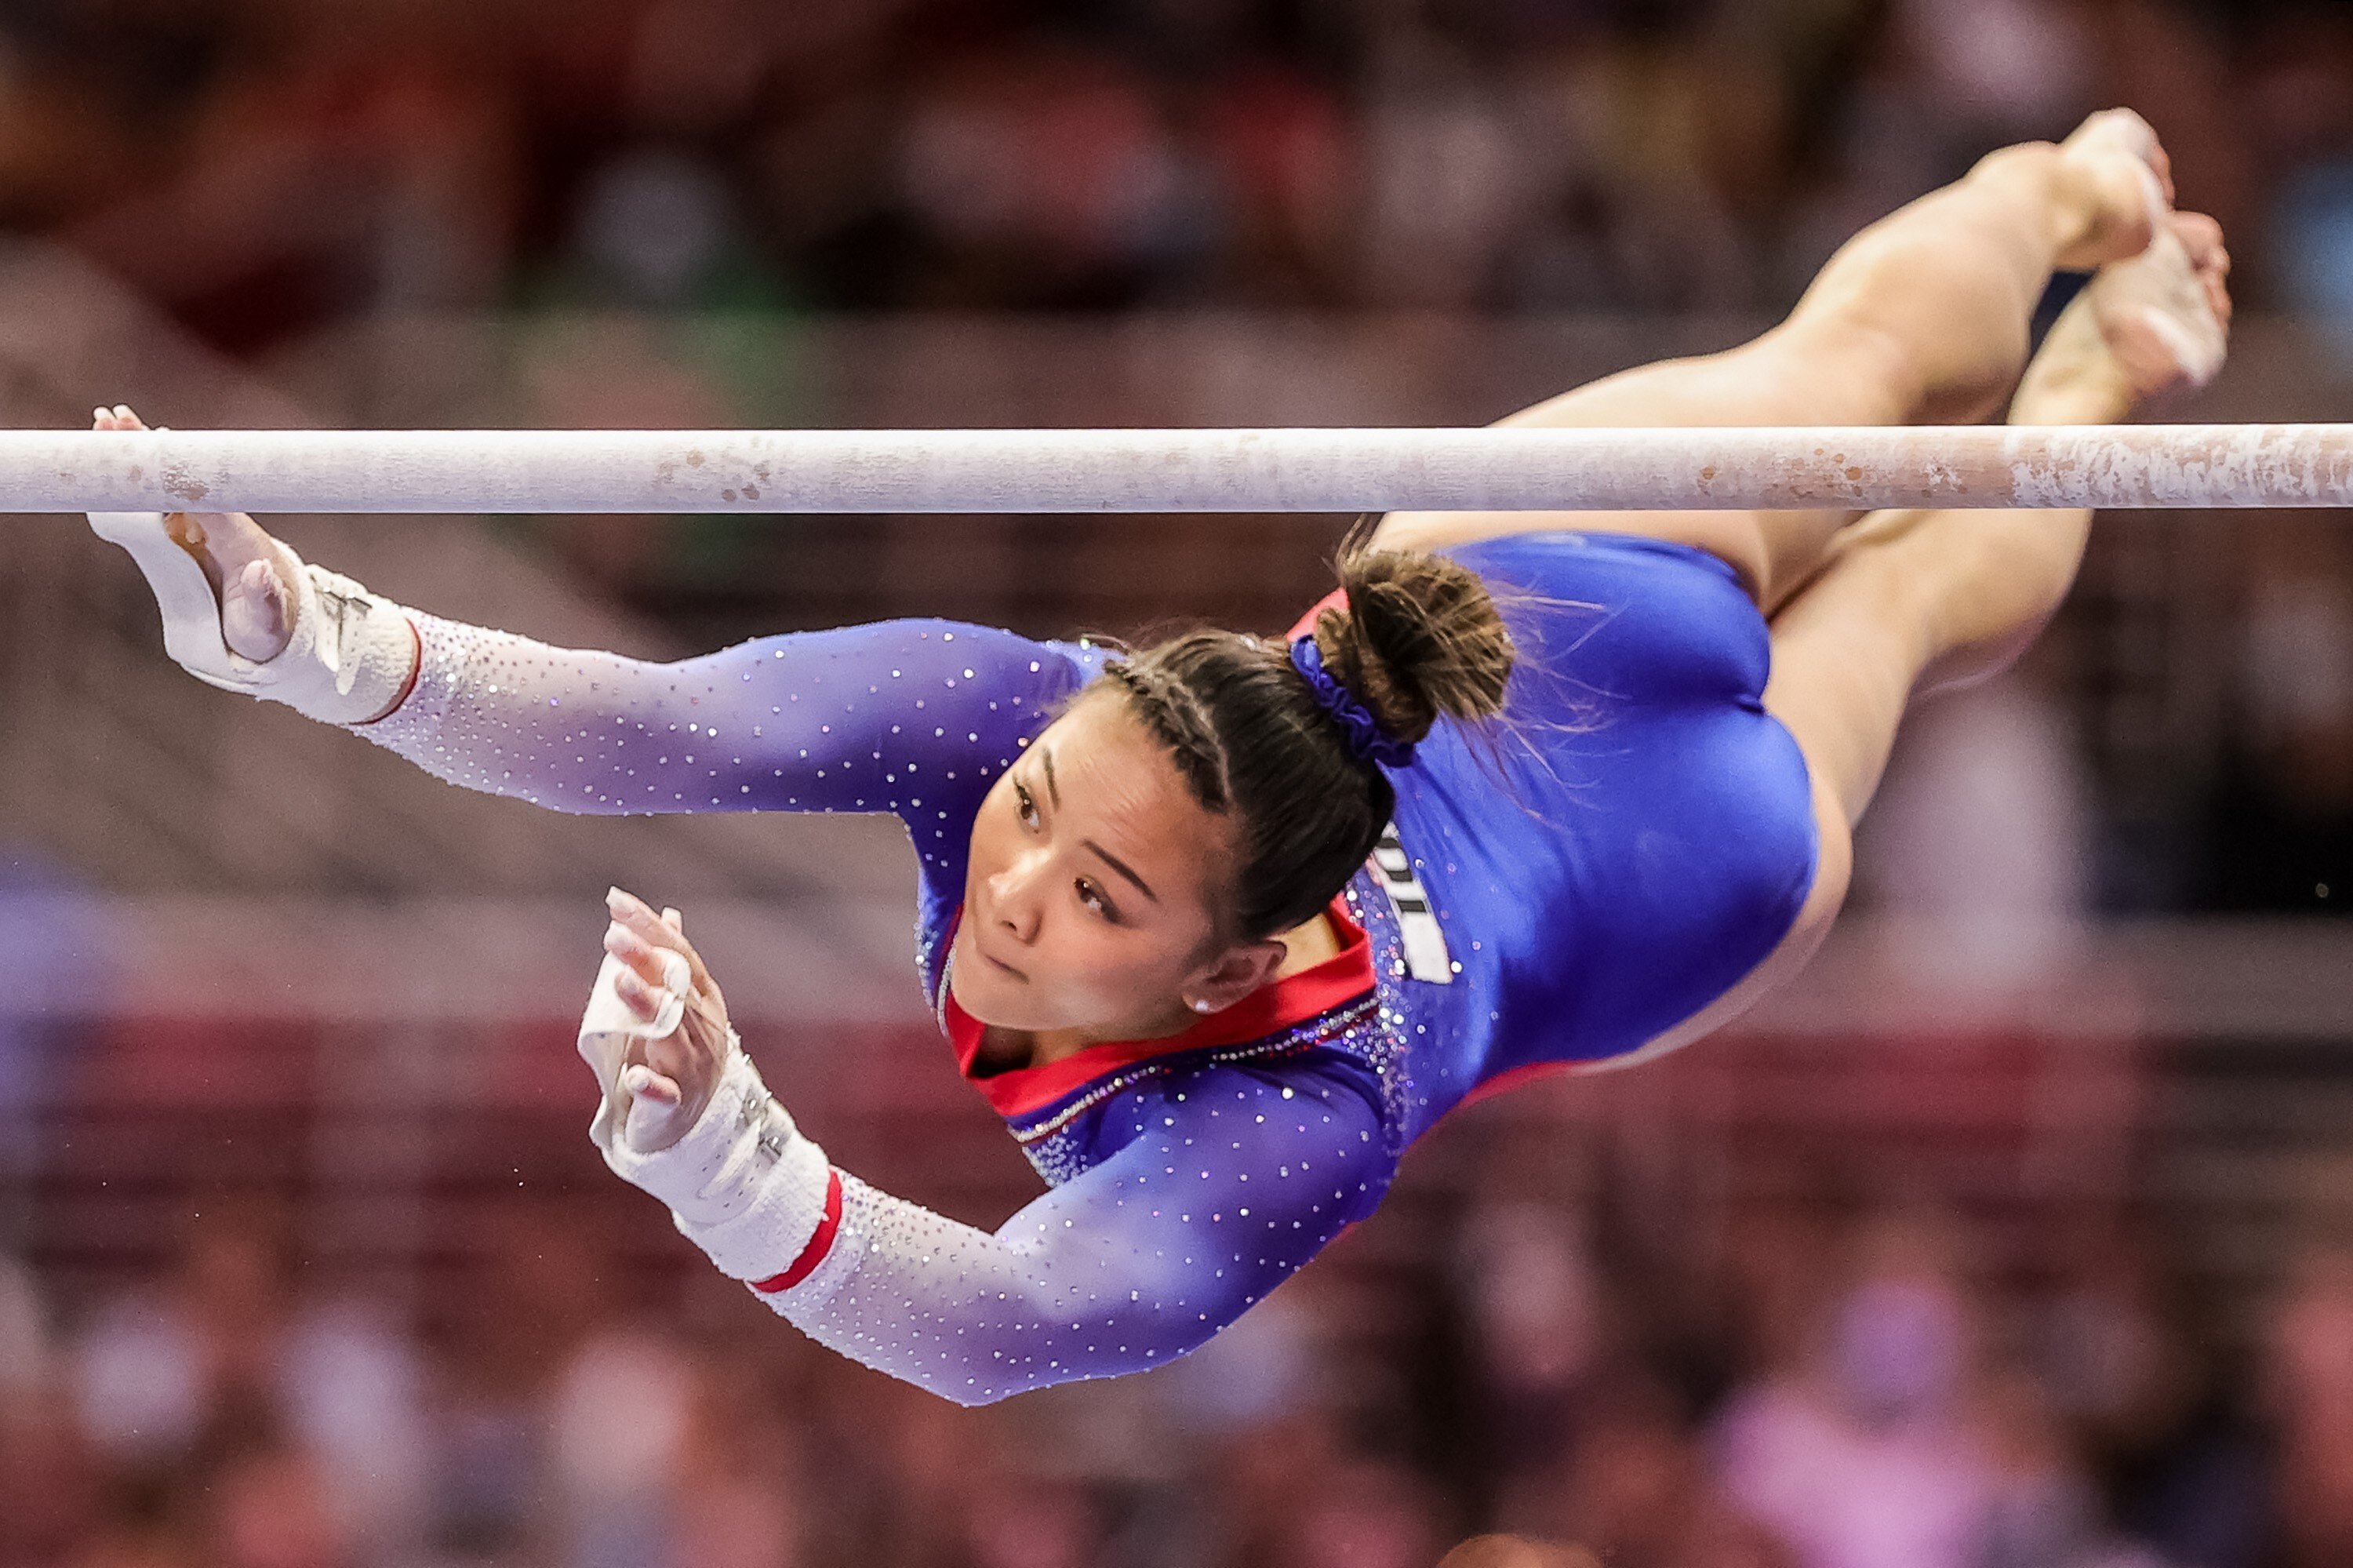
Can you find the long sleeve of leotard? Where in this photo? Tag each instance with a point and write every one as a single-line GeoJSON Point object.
{"type": "Point", "coordinates": [1237, 1179]}
{"type": "Point", "coordinates": [912, 716]}
{"type": "Point", "coordinates": [1231, 1178]}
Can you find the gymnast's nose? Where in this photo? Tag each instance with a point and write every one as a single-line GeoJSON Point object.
{"type": "Point", "coordinates": [1015, 896]}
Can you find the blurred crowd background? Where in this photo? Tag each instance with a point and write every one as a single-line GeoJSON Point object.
{"type": "Point", "coordinates": [2019, 1235]}
{"type": "Point", "coordinates": [266, 165]}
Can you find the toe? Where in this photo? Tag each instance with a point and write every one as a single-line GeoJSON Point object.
{"type": "Point", "coordinates": [2218, 296]}
{"type": "Point", "coordinates": [2127, 131]}
{"type": "Point", "coordinates": [2201, 236]}
{"type": "Point", "coordinates": [2162, 162]}
{"type": "Point", "coordinates": [2138, 132]}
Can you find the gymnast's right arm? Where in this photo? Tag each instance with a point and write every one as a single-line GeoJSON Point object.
{"type": "Point", "coordinates": [1233, 1178]}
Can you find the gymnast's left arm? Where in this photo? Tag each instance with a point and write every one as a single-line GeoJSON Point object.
{"type": "Point", "coordinates": [1235, 1178]}
{"type": "Point", "coordinates": [909, 716]}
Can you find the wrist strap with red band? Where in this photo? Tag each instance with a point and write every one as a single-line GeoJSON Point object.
{"type": "Point", "coordinates": [819, 1246]}
{"type": "Point", "coordinates": [415, 668]}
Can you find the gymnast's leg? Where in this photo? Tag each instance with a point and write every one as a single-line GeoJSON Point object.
{"type": "Point", "coordinates": [1911, 602]}
{"type": "Point", "coordinates": [1923, 317]}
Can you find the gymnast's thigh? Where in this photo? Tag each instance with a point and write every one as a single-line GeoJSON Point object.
{"type": "Point", "coordinates": [1844, 657]}
{"type": "Point", "coordinates": [1833, 872]}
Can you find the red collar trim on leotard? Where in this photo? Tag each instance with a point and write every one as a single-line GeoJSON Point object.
{"type": "Point", "coordinates": [1294, 998]}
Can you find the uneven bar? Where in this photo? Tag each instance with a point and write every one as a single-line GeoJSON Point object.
{"type": "Point", "coordinates": [1176, 470]}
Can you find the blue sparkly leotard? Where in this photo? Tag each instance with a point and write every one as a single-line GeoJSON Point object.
{"type": "Point", "coordinates": [1640, 840]}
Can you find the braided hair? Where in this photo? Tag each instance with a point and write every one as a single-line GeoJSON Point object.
{"type": "Point", "coordinates": [1291, 743]}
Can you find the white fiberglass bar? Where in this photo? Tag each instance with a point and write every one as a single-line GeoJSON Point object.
{"type": "Point", "coordinates": [1174, 470]}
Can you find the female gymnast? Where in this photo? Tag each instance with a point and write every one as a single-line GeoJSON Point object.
{"type": "Point", "coordinates": [1220, 928]}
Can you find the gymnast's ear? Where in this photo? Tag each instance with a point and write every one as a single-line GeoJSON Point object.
{"type": "Point", "coordinates": [1232, 974]}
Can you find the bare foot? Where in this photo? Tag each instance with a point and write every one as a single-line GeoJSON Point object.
{"type": "Point", "coordinates": [2126, 190]}
{"type": "Point", "coordinates": [250, 573]}
{"type": "Point", "coordinates": [2152, 324]}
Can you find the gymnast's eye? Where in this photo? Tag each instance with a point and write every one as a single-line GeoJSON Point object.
{"type": "Point", "coordinates": [1024, 807]}
{"type": "Point", "coordinates": [1091, 896]}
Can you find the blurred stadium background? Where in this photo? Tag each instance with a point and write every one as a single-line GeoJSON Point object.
{"type": "Point", "coordinates": [2018, 1234]}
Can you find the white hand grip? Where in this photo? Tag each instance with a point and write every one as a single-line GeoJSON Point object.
{"type": "Point", "coordinates": [612, 1035]}
{"type": "Point", "coordinates": [191, 614]}
{"type": "Point", "coordinates": [349, 652]}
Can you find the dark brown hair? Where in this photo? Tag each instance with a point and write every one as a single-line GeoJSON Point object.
{"type": "Point", "coordinates": [1419, 640]}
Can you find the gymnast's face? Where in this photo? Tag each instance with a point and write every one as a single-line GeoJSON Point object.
{"type": "Point", "coordinates": [1091, 898]}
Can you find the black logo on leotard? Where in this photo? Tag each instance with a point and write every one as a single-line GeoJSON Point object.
{"type": "Point", "coordinates": [1419, 932]}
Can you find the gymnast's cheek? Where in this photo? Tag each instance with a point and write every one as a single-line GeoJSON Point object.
{"type": "Point", "coordinates": [1096, 978]}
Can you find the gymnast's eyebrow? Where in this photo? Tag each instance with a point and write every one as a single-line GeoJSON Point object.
{"type": "Point", "coordinates": [1121, 866]}
{"type": "Point", "coordinates": [1046, 758]}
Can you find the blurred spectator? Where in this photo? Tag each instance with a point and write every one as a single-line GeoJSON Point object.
{"type": "Point", "coordinates": [2308, 1384]}
{"type": "Point", "coordinates": [740, 1496]}
{"type": "Point", "coordinates": [2011, 71]}
{"type": "Point", "coordinates": [1637, 1490]}
{"type": "Point", "coordinates": [2280, 825]}
{"type": "Point", "coordinates": [1054, 176]}
{"type": "Point", "coordinates": [2044, 1512]}
{"type": "Point", "coordinates": [56, 930]}
{"type": "Point", "coordinates": [1534, 1322]}
{"type": "Point", "coordinates": [2119, 1358]}
{"type": "Point", "coordinates": [1280, 146]}
{"type": "Point", "coordinates": [1360, 1514]}
{"type": "Point", "coordinates": [1977, 843]}
{"type": "Point", "coordinates": [1907, 1439]}
{"type": "Point", "coordinates": [658, 231]}
{"type": "Point", "coordinates": [1868, 1455]}
{"type": "Point", "coordinates": [271, 1507]}
{"type": "Point", "coordinates": [49, 1480]}
{"type": "Point", "coordinates": [26, 1372]}
{"type": "Point", "coordinates": [352, 1392]}
{"type": "Point", "coordinates": [619, 1480]}
{"type": "Point", "coordinates": [1446, 174]}
{"type": "Point", "coordinates": [348, 162]}
{"type": "Point", "coordinates": [196, 1361]}
{"type": "Point", "coordinates": [2307, 115]}
{"type": "Point", "coordinates": [527, 1310]}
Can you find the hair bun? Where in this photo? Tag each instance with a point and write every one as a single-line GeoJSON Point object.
{"type": "Point", "coordinates": [1421, 638]}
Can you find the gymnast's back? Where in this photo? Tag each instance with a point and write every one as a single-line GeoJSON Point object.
{"type": "Point", "coordinates": [1632, 840]}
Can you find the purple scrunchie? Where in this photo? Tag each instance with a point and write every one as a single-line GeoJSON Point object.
{"type": "Point", "coordinates": [1367, 741]}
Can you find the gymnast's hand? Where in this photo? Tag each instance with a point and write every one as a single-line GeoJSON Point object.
{"type": "Point", "coordinates": [669, 1080]}
{"type": "Point", "coordinates": [684, 1116]}
{"type": "Point", "coordinates": [251, 573]}
{"type": "Point", "coordinates": [243, 612]}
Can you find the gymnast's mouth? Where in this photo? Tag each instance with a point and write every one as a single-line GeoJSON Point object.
{"type": "Point", "coordinates": [999, 962]}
